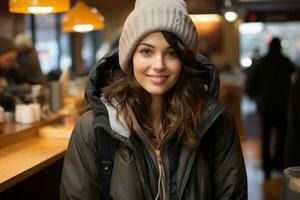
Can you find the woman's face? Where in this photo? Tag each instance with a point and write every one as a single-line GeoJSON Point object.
{"type": "Point", "coordinates": [156, 66]}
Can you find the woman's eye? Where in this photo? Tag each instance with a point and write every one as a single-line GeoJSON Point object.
{"type": "Point", "coordinates": [146, 52]}
{"type": "Point", "coordinates": [172, 54]}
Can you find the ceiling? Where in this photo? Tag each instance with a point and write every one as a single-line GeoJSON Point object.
{"type": "Point", "coordinates": [110, 4]}
{"type": "Point", "coordinates": [208, 6]}
{"type": "Point", "coordinates": [270, 5]}
{"type": "Point", "coordinates": [199, 6]}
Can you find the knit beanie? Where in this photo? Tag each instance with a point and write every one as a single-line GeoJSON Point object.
{"type": "Point", "coordinates": [150, 16]}
{"type": "Point", "coordinates": [6, 46]}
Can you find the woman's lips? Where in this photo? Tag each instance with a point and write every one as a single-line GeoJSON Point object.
{"type": "Point", "coordinates": [157, 79]}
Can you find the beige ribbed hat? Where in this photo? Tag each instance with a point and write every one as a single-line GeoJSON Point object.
{"type": "Point", "coordinates": [156, 15]}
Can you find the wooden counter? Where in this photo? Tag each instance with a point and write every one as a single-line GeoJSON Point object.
{"type": "Point", "coordinates": [23, 153]}
{"type": "Point", "coordinates": [25, 158]}
{"type": "Point", "coordinates": [10, 133]}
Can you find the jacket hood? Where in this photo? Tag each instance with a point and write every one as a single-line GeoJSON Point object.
{"type": "Point", "coordinates": [99, 76]}
{"type": "Point", "coordinates": [103, 71]}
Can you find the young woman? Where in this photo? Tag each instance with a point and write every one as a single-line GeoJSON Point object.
{"type": "Point", "coordinates": [175, 141]}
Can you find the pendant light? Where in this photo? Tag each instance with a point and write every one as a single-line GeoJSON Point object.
{"type": "Point", "coordinates": [38, 6]}
{"type": "Point", "coordinates": [82, 18]}
{"type": "Point", "coordinates": [230, 13]}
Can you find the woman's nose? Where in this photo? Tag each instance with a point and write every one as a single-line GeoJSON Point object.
{"type": "Point", "coordinates": [159, 63]}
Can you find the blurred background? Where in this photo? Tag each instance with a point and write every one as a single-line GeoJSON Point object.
{"type": "Point", "coordinates": [234, 35]}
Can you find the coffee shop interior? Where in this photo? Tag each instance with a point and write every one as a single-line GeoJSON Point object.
{"type": "Point", "coordinates": [67, 37]}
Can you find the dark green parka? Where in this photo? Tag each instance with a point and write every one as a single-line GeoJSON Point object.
{"type": "Point", "coordinates": [214, 170]}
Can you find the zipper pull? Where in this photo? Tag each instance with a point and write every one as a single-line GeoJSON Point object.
{"type": "Point", "coordinates": [157, 153]}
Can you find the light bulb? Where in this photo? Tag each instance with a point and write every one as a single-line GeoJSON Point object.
{"type": "Point", "coordinates": [83, 27]}
{"type": "Point", "coordinates": [231, 16]}
{"type": "Point", "coordinates": [40, 9]}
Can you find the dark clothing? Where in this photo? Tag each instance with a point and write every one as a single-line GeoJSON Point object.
{"type": "Point", "coordinates": [278, 122]}
{"type": "Point", "coordinates": [270, 79]}
{"type": "Point", "coordinates": [292, 145]}
{"type": "Point", "coordinates": [269, 85]}
{"type": "Point", "coordinates": [213, 170]}
{"type": "Point", "coordinates": [12, 76]}
{"type": "Point", "coordinates": [7, 102]}
{"type": "Point", "coordinates": [30, 66]}
{"type": "Point", "coordinates": [9, 79]}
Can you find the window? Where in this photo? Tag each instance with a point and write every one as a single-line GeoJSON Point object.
{"type": "Point", "coordinates": [257, 35]}
{"type": "Point", "coordinates": [52, 45]}
{"type": "Point", "coordinates": [91, 43]}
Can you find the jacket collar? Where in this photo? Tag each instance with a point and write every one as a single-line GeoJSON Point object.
{"type": "Point", "coordinates": [117, 125]}
{"type": "Point", "coordinates": [211, 110]}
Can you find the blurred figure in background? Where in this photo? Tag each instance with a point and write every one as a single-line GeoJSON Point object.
{"type": "Point", "coordinates": [27, 59]}
{"type": "Point", "coordinates": [8, 54]}
{"type": "Point", "coordinates": [255, 56]}
{"type": "Point", "coordinates": [292, 145]}
{"type": "Point", "coordinates": [10, 74]}
{"type": "Point", "coordinates": [268, 83]}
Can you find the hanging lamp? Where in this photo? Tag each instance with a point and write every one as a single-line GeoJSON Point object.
{"type": "Point", "coordinates": [230, 9]}
{"type": "Point", "coordinates": [82, 18]}
{"type": "Point", "coordinates": [38, 6]}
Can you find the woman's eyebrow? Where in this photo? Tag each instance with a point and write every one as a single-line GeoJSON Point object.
{"type": "Point", "coordinates": [146, 44]}
{"type": "Point", "coordinates": [152, 46]}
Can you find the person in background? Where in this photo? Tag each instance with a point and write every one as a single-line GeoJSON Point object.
{"type": "Point", "coordinates": [292, 144]}
{"type": "Point", "coordinates": [8, 54]}
{"type": "Point", "coordinates": [268, 83]}
{"type": "Point", "coordinates": [27, 59]}
{"type": "Point", "coordinates": [255, 56]}
{"type": "Point", "coordinates": [10, 74]}
{"type": "Point", "coordinates": [175, 141]}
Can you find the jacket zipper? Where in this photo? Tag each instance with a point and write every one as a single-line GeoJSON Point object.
{"type": "Point", "coordinates": [161, 183]}
{"type": "Point", "coordinates": [158, 156]}
{"type": "Point", "coordinates": [157, 151]}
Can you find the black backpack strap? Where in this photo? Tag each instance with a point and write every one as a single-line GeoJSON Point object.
{"type": "Point", "coordinates": [107, 146]}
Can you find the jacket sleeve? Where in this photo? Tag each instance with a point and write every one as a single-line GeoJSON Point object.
{"type": "Point", "coordinates": [228, 173]}
{"type": "Point", "coordinates": [80, 176]}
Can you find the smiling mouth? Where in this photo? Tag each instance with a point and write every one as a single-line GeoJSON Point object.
{"type": "Point", "coordinates": [157, 78]}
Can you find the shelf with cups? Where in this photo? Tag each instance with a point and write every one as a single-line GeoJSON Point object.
{"type": "Point", "coordinates": [27, 147]}
{"type": "Point", "coordinates": [13, 132]}
{"type": "Point", "coordinates": [28, 120]}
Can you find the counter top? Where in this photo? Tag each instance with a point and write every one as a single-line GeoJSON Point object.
{"type": "Point", "coordinates": [23, 159]}
{"type": "Point", "coordinates": [23, 152]}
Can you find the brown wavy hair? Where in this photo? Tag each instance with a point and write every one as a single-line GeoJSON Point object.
{"type": "Point", "coordinates": [181, 106]}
